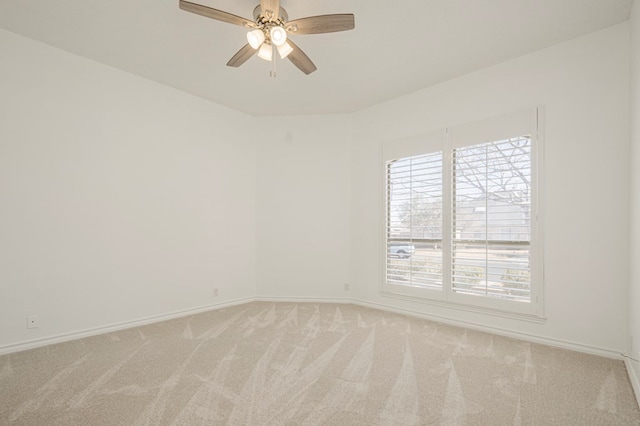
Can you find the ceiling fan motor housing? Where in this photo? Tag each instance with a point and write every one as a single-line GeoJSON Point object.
{"type": "Point", "coordinates": [266, 21]}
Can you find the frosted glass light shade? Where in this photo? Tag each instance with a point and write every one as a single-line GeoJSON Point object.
{"type": "Point", "coordinates": [255, 38]}
{"type": "Point", "coordinates": [266, 52]}
{"type": "Point", "coordinates": [284, 50]}
{"type": "Point", "coordinates": [278, 36]}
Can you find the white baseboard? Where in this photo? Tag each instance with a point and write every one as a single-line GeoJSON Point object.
{"type": "Point", "coordinates": [579, 347]}
{"type": "Point", "coordinates": [31, 344]}
{"type": "Point", "coordinates": [633, 377]}
{"type": "Point", "coordinates": [303, 299]}
{"type": "Point", "coordinates": [45, 341]}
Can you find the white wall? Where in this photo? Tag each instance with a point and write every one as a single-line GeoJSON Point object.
{"type": "Point", "coordinates": [583, 87]}
{"type": "Point", "coordinates": [303, 206]}
{"type": "Point", "coordinates": [120, 198]}
{"type": "Point", "coordinates": [634, 255]}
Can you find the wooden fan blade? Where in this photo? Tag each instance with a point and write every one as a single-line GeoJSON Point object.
{"type": "Point", "coordinates": [322, 24]}
{"type": "Point", "coordinates": [300, 59]}
{"type": "Point", "coordinates": [242, 56]}
{"type": "Point", "coordinates": [215, 14]}
{"type": "Point", "coordinates": [270, 8]}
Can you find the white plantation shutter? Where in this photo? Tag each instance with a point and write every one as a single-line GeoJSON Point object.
{"type": "Point", "coordinates": [491, 219]}
{"type": "Point", "coordinates": [414, 221]}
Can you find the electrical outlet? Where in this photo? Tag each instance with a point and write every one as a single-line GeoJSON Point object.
{"type": "Point", "coordinates": [33, 321]}
{"type": "Point", "coordinates": [215, 292]}
{"type": "Point", "coordinates": [346, 286]}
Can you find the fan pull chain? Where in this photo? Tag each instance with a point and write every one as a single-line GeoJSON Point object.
{"type": "Point", "coordinates": [272, 73]}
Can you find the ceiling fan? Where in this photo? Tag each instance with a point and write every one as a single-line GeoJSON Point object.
{"type": "Point", "coordinates": [271, 28]}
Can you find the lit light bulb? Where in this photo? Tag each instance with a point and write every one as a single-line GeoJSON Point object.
{"type": "Point", "coordinates": [284, 50]}
{"type": "Point", "coordinates": [255, 38]}
{"type": "Point", "coordinates": [266, 52]}
{"type": "Point", "coordinates": [278, 36]}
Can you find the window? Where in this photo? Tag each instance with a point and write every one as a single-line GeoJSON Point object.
{"type": "Point", "coordinates": [414, 221]}
{"type": "Point", "coordinates": [460, 215]}
{"type": "Point", "coordinates": [491, 219]}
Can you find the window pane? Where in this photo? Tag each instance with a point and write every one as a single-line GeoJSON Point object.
{"type": "Point", "coordinates": [492, 270]}
{"type": "Point", "coordinates": [414, 221]}
{"type": "Point", "coordinates": [491, 219]}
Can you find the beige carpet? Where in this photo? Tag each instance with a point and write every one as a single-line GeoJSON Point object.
{"type": "Point", "coordinates": [310, 364]}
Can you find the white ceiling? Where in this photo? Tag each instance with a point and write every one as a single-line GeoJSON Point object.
{"type": "Point", "coordinates": [396, 48]}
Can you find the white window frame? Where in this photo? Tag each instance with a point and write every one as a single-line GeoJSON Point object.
{"type": "Point", "coordinates": [528, 122]}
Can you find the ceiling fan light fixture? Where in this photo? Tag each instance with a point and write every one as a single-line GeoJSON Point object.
{"type": "Point", "coordinates": [266, 52]}
{"type": "Point", "coordinates": [255, 38]}
{"type": "Point", "coordinates": [278, 35]}
{"type": "Point", "coordinates": [284, 50]}
{"type": "Point", "coordinates": [271, 27]}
